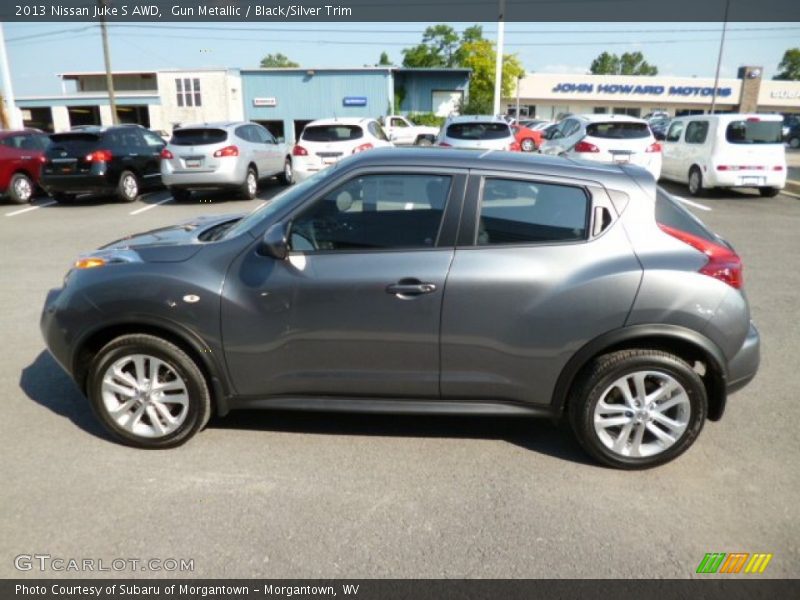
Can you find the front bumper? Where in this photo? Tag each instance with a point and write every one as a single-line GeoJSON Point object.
{"type": "Point", "coordinates": [56, 337]}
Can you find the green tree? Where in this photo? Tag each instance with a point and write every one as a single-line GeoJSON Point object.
{"type": "Point", "coordinates": [789, 65]}
{"type": "Point", "coordinates": [630, 63]}
{"type": "Point", "coordinates": [439, 47]}
{"type": "Point", "coordinates": [480, 55]}
{"type": "Point", "coordinates": [384, 60]}
{"type": "Point", "coordinates": [277, 60]}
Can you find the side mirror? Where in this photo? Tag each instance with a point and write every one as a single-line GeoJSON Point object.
{"type": "Point", "coordinates": [275, 242]}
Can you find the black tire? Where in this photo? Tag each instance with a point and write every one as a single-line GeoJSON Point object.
{"type": "Point", "coordinates": [696, 188]}
{"type": "Point", "coordinates": [794, 142]}
{"type": "Point", "coordinates": [424, 141]}
{"type": "Point", "coordinates": [180, 195]}
{"type": "Point", "coordinates": [20, 189]}
{"type": "Point", "coordinates": [247, 190]}
{"type": "Point", "coordinates": [127, 187]}
{"type": "Point", "coordinates": [62, 198]}
{"type": "Point", "coordinates": [599, 377]}
{"type": "Point", "coordinates": [199, 399]}
{"type": "Point", "coordinates": [287, 177]}
{"type": "Point", "coordinates": [527, 145]}
{"type": "Point", "coordinates": [769, 192]}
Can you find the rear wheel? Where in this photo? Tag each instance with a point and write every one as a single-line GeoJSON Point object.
{"type": "Point", "coordinates": [794, 142]}
{"type": "Point", "coordinates": [769, 192]}
{"type": "Point", "coordinates": [127, 187]}
{"type": "Point", "coordinates": [424, 141]}
{"type": "Point", "coordinates": [148, 392]}
{"type": "Point", "coordinates": [20, 189]}
{"type": "Point", "coordinates": [635, 409]}
{"type": "Point", "coordinates": [527, 145]}
{"type": "Point", "coordinates": [695, 182]}
{"type": "Point", "coordinates": [249, 187]}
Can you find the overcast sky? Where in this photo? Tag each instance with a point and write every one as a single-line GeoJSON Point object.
{"type": "Point", "coordinates": [38, 52]}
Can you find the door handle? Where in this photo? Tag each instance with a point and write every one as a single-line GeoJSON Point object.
{"type": "Point", "coordinates": [410, 287]}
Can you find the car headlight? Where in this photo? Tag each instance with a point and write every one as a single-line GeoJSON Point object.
{"type": "Point", "coordinates": [102, 258]}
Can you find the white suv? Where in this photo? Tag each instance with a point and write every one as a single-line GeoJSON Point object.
{"type": "Point", "coordinates": [606, 138]}
{"type": "Point", "coordinates": [478, 132]}
{"type": "Point", "coordinates": [327, 141]}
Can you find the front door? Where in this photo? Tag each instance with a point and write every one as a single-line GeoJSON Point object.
{"type": "Point", "coordinates": [355, 308]}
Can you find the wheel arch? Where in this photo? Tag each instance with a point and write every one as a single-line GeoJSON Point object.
{"type": "Point", "coordinates": [91, 343]}
{"type": "Point", "coordinates": [696, 349]}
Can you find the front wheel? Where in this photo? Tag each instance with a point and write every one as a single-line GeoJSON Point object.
{"type": "Point", "coordinates": [636, 409]}
{"type": "Point", "coordinates": [148, 392]}
{"type": "Point", "coordinates": [20, 189]}
{"type": "Point", "coordinates": [287, 177]}
{"type": "Point", "coordinates": [128, 187]}
{"type": "Point", "coordinates": [249, 187]}
{"type": "Point", "coordinates": [769, 192]}
{"type": "Point", "coordinates": [527, 145]}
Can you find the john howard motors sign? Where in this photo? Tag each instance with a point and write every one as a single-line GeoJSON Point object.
{"type": "Point", "coordinates": [630, 89]}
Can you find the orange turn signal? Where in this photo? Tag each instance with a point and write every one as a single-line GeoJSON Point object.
{"type": "Point", "coordinates": [90, 262]}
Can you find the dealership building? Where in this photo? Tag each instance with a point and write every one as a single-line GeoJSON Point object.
{"type": "Point", "coordinates": [549, 96]}
{"type": "Point", "coordinates": [283, 100]}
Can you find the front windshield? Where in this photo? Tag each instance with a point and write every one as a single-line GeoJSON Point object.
{"type": "Point", "coordinates": [285, 199]}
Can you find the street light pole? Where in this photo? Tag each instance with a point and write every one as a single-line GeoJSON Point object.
{"type": "Point", "coordinates": [719, 57]}
{"type": "Point", "coordinates": [498, 65]}
{"type": "Point", "coordinates": [519, 78]}
{"type": "Point", "coordinates": [112, 101]}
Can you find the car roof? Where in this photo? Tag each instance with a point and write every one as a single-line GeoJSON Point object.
{"type": "Point", "coordinates": [9, 132]}
{"type": "Point", "coordinates": [606, 118]}
{"type": "Point", "coordinates": [338, 121]}
{"type": "Point", "coordinates": [214, 125]}
{"type": "Point", "coordinates": [476, 119]}
{"type": "Point", "coordinates": [734, 117]}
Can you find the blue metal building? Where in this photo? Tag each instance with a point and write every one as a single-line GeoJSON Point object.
{"type": "Point", "coordinates": [284, 100]}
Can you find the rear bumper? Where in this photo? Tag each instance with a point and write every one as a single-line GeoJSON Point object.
{"type": "Point", "coordinates": [742, 368]}
{"type": "Point", "coordinates": [226, 176]}
{"type": "Point", "coordinates": [77, 184]}
{"type": "Point", "coordinates": [773, 179]}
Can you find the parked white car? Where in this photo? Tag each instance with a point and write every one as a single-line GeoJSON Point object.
{"type": "Point", "coordinates": [403, 131]}
{"type": "Point", "coordinates": [227, 155]}
{"type": "Point", "coordinates": [327, 141]}
{"type": "Point", "coordinates": [479, 132]}
{"type": "Point", "coordinates": [726, 151]}
{"type": "Point", "coordinates": [606, 138]}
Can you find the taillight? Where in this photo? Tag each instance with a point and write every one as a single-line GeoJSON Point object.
{"type": "Point", "coordinates": [777, 168]}
{"type": "Point", "coordinates": [723, 263]}
{"type": "Point", "coordinates": [445, 145]}
{"type": "Point", "coordinates": [299, 151]}
{"type": "Point", "coordinates": [42, 159]}
{"type": "Point", "coordinates": [740, 167]}
{"type": "Point", "coordinates": [167, 154]}
{"type": "Point", "coordinates": [362, 147]}
{"type": "Point", "coordinates": [654, 147]}
{"type": "Point", "coordinates": [585, 147]}
{"type": "Point", "coordinates": [99, 156]}
{"type": "Point", "coordinates": [227, 151]}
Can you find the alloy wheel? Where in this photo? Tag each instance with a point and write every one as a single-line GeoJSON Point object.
{"type": "Point", "coordinates": [252, 183]}
{"type": "Point", "coordinates": [23, 189]}
{"type": "Point", "coordinates": [145, 396]}
{"type": "Point", "coordinates": [642, 414]}
{"type": "Point", "coordinates": [130, 187]}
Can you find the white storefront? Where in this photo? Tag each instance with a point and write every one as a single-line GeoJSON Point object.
{"type": "Point", "coordinates": [547, 96]}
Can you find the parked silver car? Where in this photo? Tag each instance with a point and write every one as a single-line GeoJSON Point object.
{"type": "Point", "coordinates": [477, 132]}
{"type": "Point", "coordinates": [230, 155]}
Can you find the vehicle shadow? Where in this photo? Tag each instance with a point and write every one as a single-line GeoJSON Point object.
{"type": "Point", "coordinates": [44, 382]}
{"type": "Point", "coordinates": [537, 435]}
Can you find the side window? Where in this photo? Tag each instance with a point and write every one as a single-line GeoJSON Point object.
{"type": "Point", "coordinates": [374, 212]}
{"type": "Point", "coordinates": [524, 212]}
{"type": "Point", "coordinates": [244, 132]}
{"type": "Point", "coordinates": [377, 131]}
{"type": "Point", "coordinates": [398, 123]}
{"type": "Point", "coordinates": [262, 135]}
{"type": "Point", "coordinates": [675, 130]}
{"type": "Point", "coordinates": [570, 127]}
{"type": "Point", "coordinates": [696, 132]}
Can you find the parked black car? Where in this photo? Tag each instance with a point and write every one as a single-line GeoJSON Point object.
{"type": "Point", "coordinates": [792, 136]}
{"type": "Point", "coordinates": [121, 160]}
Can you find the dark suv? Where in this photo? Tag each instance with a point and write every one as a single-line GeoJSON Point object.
{"type": "Point", "coordinates": [421, 281]}
{"type": "Point", "coordinates": [121, 160]}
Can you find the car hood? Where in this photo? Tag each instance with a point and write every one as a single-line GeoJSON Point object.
{"type": "Point", "coordinates": [173, 243]}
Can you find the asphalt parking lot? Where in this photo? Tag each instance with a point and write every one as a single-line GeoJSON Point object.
{"type": "Point", "coordinates": [317, 495]}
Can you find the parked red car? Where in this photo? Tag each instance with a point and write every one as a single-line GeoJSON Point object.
{"type": "Point", "coordinates": [528, 139]}
{"type": "Point", "coordinates": [21, 158]}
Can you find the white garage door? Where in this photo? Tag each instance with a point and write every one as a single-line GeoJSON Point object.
{"type": "Point", "coordinates": [445, 102]}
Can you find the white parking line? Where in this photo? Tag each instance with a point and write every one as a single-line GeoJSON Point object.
{"type": "Point", "coordinates": [30, 208]}
{"type": "Point", "coordinates": [691, 203]}
{"type": "Point", "coordinates": [149, 206]}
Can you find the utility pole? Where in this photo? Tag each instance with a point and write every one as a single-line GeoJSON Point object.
{"type": "Point", "coordinates": [14, 121]}
{"type": "Point", "coordinates": [719, 57]}
{"type": "Point", "coordinates": [498, 65]}
{"type": "Point", "coordinates": [519, 78]}
{"type": "Point", "coordinates": [107, 58]}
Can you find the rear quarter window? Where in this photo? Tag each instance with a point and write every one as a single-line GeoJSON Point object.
{"type": "Point", "coordinates": [670, 213]}
{"type": "Point", "coordinates": [478, 131]}
{"type": "Point", "coordinates": [198, 137]}
{"type": "Point", "coordinates": [618, 130]}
